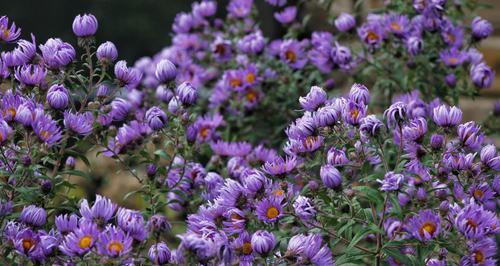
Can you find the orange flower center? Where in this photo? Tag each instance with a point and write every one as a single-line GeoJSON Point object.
{"type": "Point", "coordinates": [250, 77]}
{"type": "Point", "coordinates": [278, 192]}
{"type": "Point", "coordinates": [252, 96]}
{"type": "Point", "coordinates": [85, 242]}
{"type": "Point", "coordinates": [204, 132]}
{"type": "Point", "coordinates": [354, 114]}
{"type": "Point", "coordinates": [395, 26]}
{"type": "Point", "coordinates": [235, 83]}
{"type": "Point", "coordinates": [272, 213]}
{"type": "Point", "coordinates": [371, 36]}
{"type": "Point", "coordinates": [12, 112]}
{"type": "Point", "coordinates": [309, 141]}
{"type": "Point", "coordinates": [430, 228]}
{"type": "Point", "coordinates": [291, 56]}
{"type": "Point", "coordinates": [478, 193]}
{"type": "Point", "coordinates": [247, 248]}
{"type": "Point", "coordinates": [478, 256]}
{"type": "Point", "coordinates": [6, 33]}
{"type": "Point", "coordinates": [115, 247]}
{"type": "Point", "coordinates": [45, 134]}
{"type": "Point", "coordinates": [453, 60]}
{"type": "Point", "coordinates": [28, 244]}
{"type": "Point", "coordinates": [236, 217]}
{"type": "Point", "coordinates": [471, 223]}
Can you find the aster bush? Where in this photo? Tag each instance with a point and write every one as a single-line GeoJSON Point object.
{"type": "Point", "coordinates": [317, 179]}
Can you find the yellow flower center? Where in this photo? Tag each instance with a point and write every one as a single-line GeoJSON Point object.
{"type": "Point", "coordinates": [272, 213]}
{"type": "Point", "coordinates": [85, 242]}
{"type": "Point", "coordinates": [12, 112]}
{"type": "Point", "coordinates": [6, 33]}
{"type": "Point", "coordinates": [371, 36]}
{"type": "Point", "coordinates": [278, 192]}
{"type": "Point", "coordinates": [252, 96]}
{"type": "Point", "coordinates": [430, 228]}
{"type": "Point", "coordinates": [247, 248]}
{"type": "Point", "coordinates": [115, 247]}
{"type": "Point", "coordinates": [204, 132]}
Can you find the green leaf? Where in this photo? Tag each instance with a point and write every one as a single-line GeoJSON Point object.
{"type": "Point", "coordinates": [360, 235]}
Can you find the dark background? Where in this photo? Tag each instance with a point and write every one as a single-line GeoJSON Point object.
{"type": "Point", "coordinates": [137, 27]}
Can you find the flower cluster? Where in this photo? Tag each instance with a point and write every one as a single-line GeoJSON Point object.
{"type": "Point", "coordinates": [222, 174]}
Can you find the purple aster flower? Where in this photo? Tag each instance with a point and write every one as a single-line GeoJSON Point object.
{"type": "Point", "coordinates": [345, 22]}
{"type": "Point", "coordinates": [336, 157]}
{"type": "Point", "coordinates": [79, 123]}
{"type": "Point", "coordinates": [174, 105]}
{"type": "Point", "coordinates": [239, 8]}
{"type": "Point", "coordinates": [372, 34]}
{"type": "Point", "coordinates": [85, 25]}
{"type": "Point", "coordinates": [165, 71]}
{"type": "Point", "coordinates": [286, 16]}
{"type": "Point", "coordinates": [481, 28]}
{"type": "Point", "coordinates": [330, 176]}
{"type": "Point", "coordinates": [490, 158]}
{"type": "Point", "coordinates": [415, 130]}
{"type": "Point", "coordinates": [107, 53]}
{"type": "Point", "coordinates": [391, 182]}
{"type": "Point", "coordinates": [5, 131]}
{"type": "Point", "coordinates": [101, 212]}
{"type": "Point", "coordinates": [482, 75]}
{"type": "Point", "coordinates": [301, 128]}
{"type": "Point", "coordinates": [156, 118]}
{"type": "Point", "coordinates": [164, 94]}
{"type": "Point", "coordinates": [80, 240]}
{"type": "Point", "coordinates": [132, 222]}
{"type": "Point", "coordinates": [233, 149]}
{"type": "Point", "coordinates": [113, 242]}
{"type": "Point", "coordinates": [28, 242]}
{"type": "Point", "coordinates": [481, 252]}
{"type": "Point", "coordinates": [46, 128]}
{"type": "Point", "coordinates": [424, 226]}
{"type": "Point", "coordinates": [221, 49]}
{"type": "Point", "coordinates": [279, 166]}
{"type": "Point", "coordinates": [446, 116]}
{"type": "Point", "coordinates": [33, 215]}
{"type": "Point", "coordinates": [474, 222]}
{"type": "Point", "coordinates": [353, 113]}
{"type": "Point", "coordinates": [269, 210]}
{"type": "Point", "coordinates": [30, 75]}
{"type": "Point", "coordinates": [292, 53]}
{"type": "Point", "coordinates": [451, 80]}
{"type": "Point", "coordinates": [341, 55]}
{"type": "Point", "coordinates": [396, 113]}
{"type": "Point", "coordinates": [359, 94]}
{"type": "Point", "coordinates": [66, 223]}
{"type": "Point", "coordinates": [243, 246]}
{"type": "Point", "coordinates": [452, 35]}
{"type": "Point", "coordinates": [128, 76]}
{"type": "Point", "coordinates": [8, 34]}
{"type": "Point", "coordinates": [158, 224]}
{"type": "Point", "coordinates": [326, 116]}
{"type": "Point", "coordinates": [305, 249]}
{"type": "Point", "coordinates": [371, 126]}
{"type": "Point", "coordinates": [159, 253]}
{"type": "Point", "coordinates": [255, 181]}
{"type": "Point", "coordinates": [21, 55]}
{"type": "Point", "coordinates": [470, 135]}
{"type": "Point", "coordinates": [437, 141]}
{"type": "Point", "coordinates": [120, 109]}
{"type": "Point", "coordinates": [56, 53]}
{"type": "Point", "coordinates": [481, 192]}
{"type": "Point", "coordinates": [304, 208]}
{"type": "Point", "coordinates": [314, 99]}
{"type": "Point", "coordinates": [453, 57]}
{"type": "Point", "coordinates": [57, 96]}
{"type": "Point", "coordinates": [276, 2]}
{"type": "Point", "coordinates": [204, 8]}
{"type": "Point", "coordinates": [5, 208]}
{"type": "Point", "coordinates": [252, 43]}
{"type": "Point", "coordinates": [184, 23]}
{"type": "Point", "coordinates": [397, 24]}
{"type": "Point", "coordinates": [187, 93]}
{"type": "Point", "coordinates": [263, 242]}
{"type": "Point", "coordinates": [414, 45]}
{"type": "Point", "coordinates": [319, 54]}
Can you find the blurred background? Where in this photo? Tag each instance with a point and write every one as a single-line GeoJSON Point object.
{"type": "Point", "coordinates": [143, 27]}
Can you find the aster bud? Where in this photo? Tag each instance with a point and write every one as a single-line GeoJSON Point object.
{"type": "Point", "coordinates": [85, 25]}
{"type": "Point", "coordinates": [107, 53]}
{"type": "Point", "coordinates": [331, 177]}
{"type": "Point", "coordinates": [58, 97]}
{"type": "Point", "coordinates": [165, 71]}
